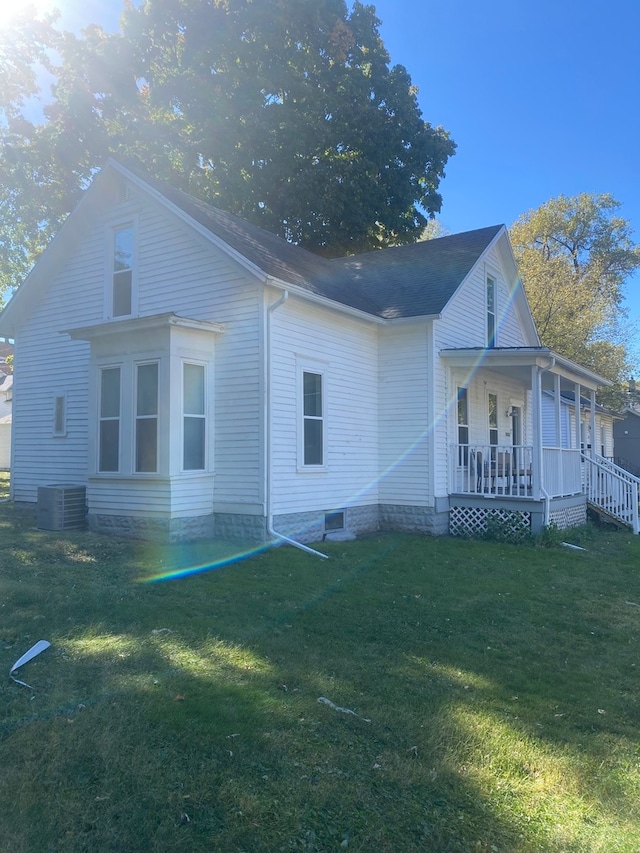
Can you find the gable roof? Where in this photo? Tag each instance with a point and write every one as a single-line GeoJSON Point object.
{"type": "Point", "coordinates": [415, 280]}
{"type": "Point", "coordinates": [418, 279]}
{"type": "Point", "coordinates": [404, 281]}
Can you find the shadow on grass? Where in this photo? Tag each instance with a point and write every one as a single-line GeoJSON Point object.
{"type": "Point", "coordinates": [184, 715]}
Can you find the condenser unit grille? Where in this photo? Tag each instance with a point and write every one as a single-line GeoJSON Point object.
{"type": "Point", "coordinates": [62, 507]}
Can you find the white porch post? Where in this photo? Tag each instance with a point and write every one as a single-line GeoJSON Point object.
{"type": "Point", "coordinates": [576, 402]}
{"type": "Point", "coordinates": [592, 422]}
{"type": "Point", "coordinates": [556, 395]}
{"type": "Point", "coordinates": [536, 417]}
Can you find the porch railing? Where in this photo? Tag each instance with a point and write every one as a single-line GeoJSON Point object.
{"type": "Point", "coordinates": [612, 489]}
{"type": "Point", "coordinates": [561, 471]}
{"type": "Point", "coordinates": [491, 469]}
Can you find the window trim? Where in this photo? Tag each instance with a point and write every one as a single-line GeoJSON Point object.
{"type": "Point", "coordinates": [492, 326]}
{"type": "Point", "coordinates": [111, 229]}
{"type": "Point", "coordinates": [316, 370]}
{"type": "Point", "coordinates": [204, 416]}
{"type": "Point", "coordinates": [493, 425]}
{"type": "Point", "coordinates": [60, 430]}
{"type": "Point", "coordinates": [137, 418]}
{"type": "Point", "coordinates": [101, 370]}
{"type": "Point", "coordinates": [462, 394]}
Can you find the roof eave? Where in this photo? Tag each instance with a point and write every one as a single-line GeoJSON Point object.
{"type": "Point", "coordinates": [542, 357]}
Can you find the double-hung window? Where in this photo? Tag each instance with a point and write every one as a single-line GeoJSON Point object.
{"type": "Point", "coordinates": [463, 426]}
{"type": "Point", "coordinates": [493, 419]}
{"type": "Point", "coordinates": [122, 272]}
{"type": "Point", "coordinates": [146, 426]}
{"type": "Point", "coordinates": [193, 417]}
{"type": "Point", "coordinates": [491, 312]}
{"type": "Point", "coordinates": [312, 419]}
{"type": "Point", "coordinates": [109, 433]}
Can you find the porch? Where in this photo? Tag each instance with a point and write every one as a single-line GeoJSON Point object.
{"type": "Point", "coordinates": [508, 470]}
{"type": "Point", "coordinates": [573, 480]}
{"type": "Point", "coordinates": [532, 397]}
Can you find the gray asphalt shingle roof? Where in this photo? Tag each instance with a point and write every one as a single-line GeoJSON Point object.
{"type": "Point", "coordinates": [404, 281]}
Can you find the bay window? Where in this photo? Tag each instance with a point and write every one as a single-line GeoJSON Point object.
{"type": "Point", "coordinates": [193, 417]}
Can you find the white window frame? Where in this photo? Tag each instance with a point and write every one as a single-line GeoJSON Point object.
{"type": "Point", "coordinates": [316, 370]}
{"type": "Point", "coordinates": [138, 418]}
{"type": "Point", "coordinates": [204, 416]}
{"type": "Point", "coordinates": [110, 236]}
{"type": "Point", "coordinates": [60, 426]}
{"type": "Point", "coordinates": [496, 427]}
{"type": "Point", "coordinates": [101, 370]}
{"type": "Point", "coordinates": [491, 321]}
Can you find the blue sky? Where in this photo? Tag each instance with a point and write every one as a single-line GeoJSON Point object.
{"type": "Point", "coordinates": [542, 99]}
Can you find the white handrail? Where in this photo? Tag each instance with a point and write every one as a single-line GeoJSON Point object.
{"type": "Point", "coordinates": [612, 489]}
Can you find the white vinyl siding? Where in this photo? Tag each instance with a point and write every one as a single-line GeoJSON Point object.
{"type": "Point", "coordinates": [177, 270]}
{"type": "Point", "coordinates": [406, 451]}
{"type": "Point", "coordinates": [344, 351]}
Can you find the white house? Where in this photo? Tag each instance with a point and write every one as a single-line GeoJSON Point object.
{"type": "Point", "coordinates": [219, 381]}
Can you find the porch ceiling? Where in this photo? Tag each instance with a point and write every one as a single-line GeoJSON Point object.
{"type": "Point", "coordinates": [516, 363]}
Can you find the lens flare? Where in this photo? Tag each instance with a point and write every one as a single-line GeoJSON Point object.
{"type": "Point", "coordinates": [355, 499]}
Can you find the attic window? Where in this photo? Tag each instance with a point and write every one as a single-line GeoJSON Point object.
{"type": "Point", "coordinates": [122, 272]}
{"type": "Point", "coordinates": [491, 312]}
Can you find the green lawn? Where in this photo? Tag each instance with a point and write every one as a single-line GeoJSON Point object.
{"type": "Point", "coordinates": [494, 690]}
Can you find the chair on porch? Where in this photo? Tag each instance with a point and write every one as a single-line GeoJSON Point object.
{"type": "Point", "coordinates": [476, 465]}
{"type": "Point", "coordinates": [501, 471]}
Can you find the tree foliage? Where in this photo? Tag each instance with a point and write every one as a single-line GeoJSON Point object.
{"type": "Point", "coordinates": [285, 112]}
{"type": "Point", "coordinates": [575, 255]}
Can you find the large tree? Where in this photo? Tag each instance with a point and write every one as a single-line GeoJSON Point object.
{"type": "Point", "coordinates": [285, 112]}
{"type": "Point", "coordinates": [25, 45]}
{"type": "Point", "coordinates": [575, 254]}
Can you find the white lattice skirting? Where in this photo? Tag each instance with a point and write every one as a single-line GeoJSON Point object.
{"type": "Point", "coordinates": [471, 521]}
{"type": "Point", "coordinates": [570, 516]}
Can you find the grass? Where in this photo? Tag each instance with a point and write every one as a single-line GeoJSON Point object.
{"type": "Point", "coordinates": [495, 688]}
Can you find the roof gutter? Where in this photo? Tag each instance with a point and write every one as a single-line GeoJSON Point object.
{"type": "Point", "coordinates": [310, 296]}
{"type": "Point", "coordinates": [271, 309]}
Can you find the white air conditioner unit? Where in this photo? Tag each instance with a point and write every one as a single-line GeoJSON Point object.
{"type": "Point", "coordinates": [62, 507]}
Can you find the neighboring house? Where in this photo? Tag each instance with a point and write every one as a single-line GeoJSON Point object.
{"type": "Point", "coordinates": [220, 381]}
{"type": "Point", "coordinates": [603, 424]}
{"type": "Point", "coordinates": [6, 396]}
{"type": "Point", "coordinates": [6, 350]}
{"type": "Point", "coordinates": [626, 435]}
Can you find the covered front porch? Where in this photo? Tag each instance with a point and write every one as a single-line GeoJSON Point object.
{"type": "Point", "coordinates": [517, 449]}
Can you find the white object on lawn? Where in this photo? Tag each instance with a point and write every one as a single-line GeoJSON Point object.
{"type": "Point", "coordinates": [40, 646]}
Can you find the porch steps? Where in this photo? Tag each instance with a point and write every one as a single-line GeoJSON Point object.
{"type": "Point", "coordinates": [611, 492]}
{"type": "Point", "coordinates": [603, 516]}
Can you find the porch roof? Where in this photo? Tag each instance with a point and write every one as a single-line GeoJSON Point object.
{"type": "Point", "coordinates": [516, 362]}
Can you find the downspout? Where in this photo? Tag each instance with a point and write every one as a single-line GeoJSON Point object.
{"type": "Point", "coordinates": [268, 436]}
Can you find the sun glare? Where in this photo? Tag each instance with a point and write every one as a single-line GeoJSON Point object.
{"type": "Point", "coordinates": [10, 9]}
